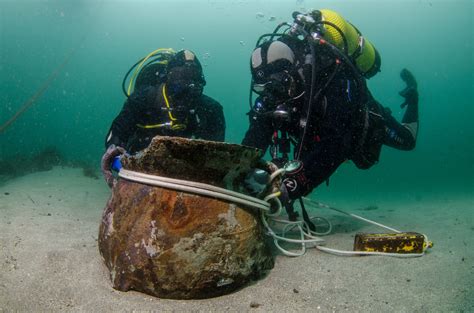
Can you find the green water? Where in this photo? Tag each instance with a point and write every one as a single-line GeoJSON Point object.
{"type": "Point", "coordinates": [431, 38]}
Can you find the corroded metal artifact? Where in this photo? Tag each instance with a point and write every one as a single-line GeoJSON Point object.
{"type": "Point", "coordinates": [175, 244]}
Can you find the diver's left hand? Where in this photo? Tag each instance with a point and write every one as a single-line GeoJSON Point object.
{"type": "Point", "coordinates": [106, 163]}
{"type": "Point", "coordinates": [256, 182]}
{"type": "Point", "coordinates": [410, 93]}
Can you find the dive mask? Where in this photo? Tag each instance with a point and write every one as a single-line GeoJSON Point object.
{"type": "Point", "coordinates": [277, 84]}
{"type": "Point", "coordinates": [185, 88]}
{"type": "Point", "coordinates": [186, 80]}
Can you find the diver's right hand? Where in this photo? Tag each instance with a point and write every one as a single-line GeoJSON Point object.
{"type": "Point", "coordinates": [107, 160]}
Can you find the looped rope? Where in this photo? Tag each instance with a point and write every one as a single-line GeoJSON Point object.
{"type": "Point", "coordinates": [304, 236]}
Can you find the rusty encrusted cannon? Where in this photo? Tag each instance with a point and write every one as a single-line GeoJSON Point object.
{"type": "Point", "coordinates": [174, 243]}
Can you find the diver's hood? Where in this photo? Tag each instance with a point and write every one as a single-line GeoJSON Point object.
{"type": "Point", "coordinates": [185, 81]}
{"type": "Point", "coordinates": [270, 58]}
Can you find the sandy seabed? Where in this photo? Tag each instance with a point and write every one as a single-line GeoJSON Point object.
{"type": "Point", "coordinates": [49, 259]}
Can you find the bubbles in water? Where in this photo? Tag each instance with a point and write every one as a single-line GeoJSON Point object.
{"type": "Point", "coordinates": [260, 16]}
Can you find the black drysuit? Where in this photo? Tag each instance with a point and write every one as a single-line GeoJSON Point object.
{"type": "Point", "coordinates": [141, 114]}
{"type": "Point", "coordinates": [345, 123]}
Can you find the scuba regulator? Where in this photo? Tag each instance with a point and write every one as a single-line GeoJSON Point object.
{"type": "Point", "coordinates": [344, 46]}
{"type": "Point", "coordinates": [326, 44]}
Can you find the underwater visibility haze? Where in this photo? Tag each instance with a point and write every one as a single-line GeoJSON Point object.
{"type": "Point", "coordinates": [104, 38]}
{"type": "Point", "coordinates": [66, 61]}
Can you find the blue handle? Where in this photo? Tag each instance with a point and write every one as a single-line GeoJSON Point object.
{"type": "Point", "coordinates": [116, 164]}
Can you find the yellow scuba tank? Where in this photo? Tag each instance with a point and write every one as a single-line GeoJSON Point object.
{"type": "Point", "coordinates": [367, 58]}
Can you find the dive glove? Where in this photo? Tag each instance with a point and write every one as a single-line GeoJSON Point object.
{"type": "Point", "coordinates": [410, 93]}
{"type": "Point", "coordinates": [107, 161]}
{"type": "Point", "coordinates": [256, 181]}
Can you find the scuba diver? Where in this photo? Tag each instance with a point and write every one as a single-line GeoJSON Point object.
{"type": "Point", "coordinates": [313, 101]}
{"type": "Point", "coordinates": [167, 100]}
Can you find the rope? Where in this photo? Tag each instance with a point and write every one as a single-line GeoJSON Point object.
{"type": "Point", "coordinates": [351, 215]}
{"type": "Point", "coordinates": [44, 86]}
{"type": "Point", "coordinates": [304, 235]}
{"type": "Point", "coordinates": [356, 253]}
{"type": "Point", "coordinates": [232, 196]}
{"type": "Point", "coordinates": [196, 188]}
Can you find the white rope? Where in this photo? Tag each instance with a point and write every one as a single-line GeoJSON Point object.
{"type": "Point", "coordinates": [306, 236]}
{"type": "Point", "coordinates": [276, 173]}
{"type": "Point", "coordinates": [232, 196]}
{"type": "Point", "coordinates": [274, 197]}
{"type": "Point", "coordinates": [196, 188]}
{"type": "Point", "coordinates": [350, 214]}
{"type": "Point", "coordinates": [315, 233]}
{"type": "Point", "coordinates": [356, 253]}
